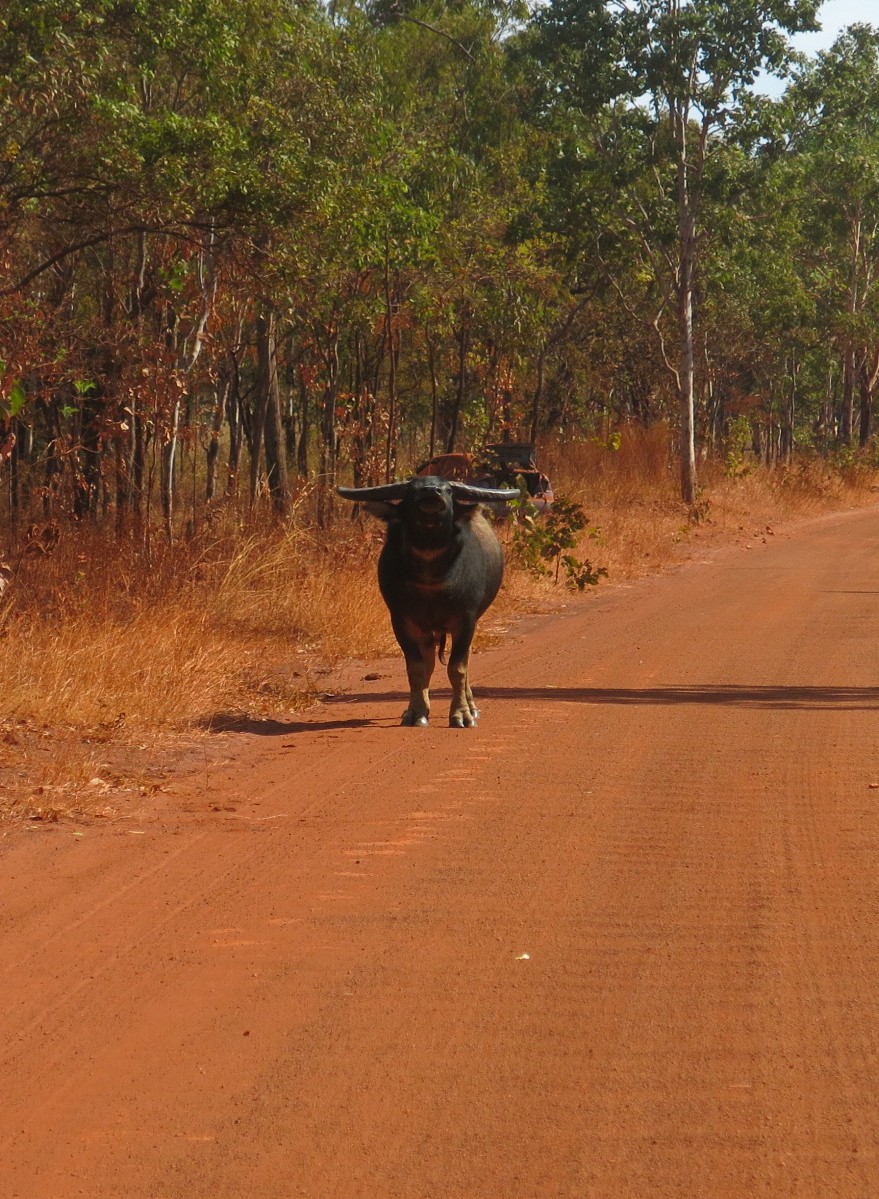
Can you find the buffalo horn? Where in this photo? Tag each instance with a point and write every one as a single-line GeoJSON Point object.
{"type": "Point", "coordinates": [388, 491]}
{"type": "Point", "coordinates": [396, 491]}
{"type": "Point", "coordinates": [481, 495]}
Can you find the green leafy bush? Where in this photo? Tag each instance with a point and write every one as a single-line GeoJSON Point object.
{"type": "Point", "coordinates": [543, 542]}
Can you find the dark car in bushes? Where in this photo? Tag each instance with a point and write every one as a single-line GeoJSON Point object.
{"type": "Point", "coordinates": [498, 464]}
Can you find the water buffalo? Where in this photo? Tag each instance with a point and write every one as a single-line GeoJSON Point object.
{"type": "Point", "coordinates": [440, 568]}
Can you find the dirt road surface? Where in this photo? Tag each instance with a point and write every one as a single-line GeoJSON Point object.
{"type": "Point", "coordinates": [619, 942]}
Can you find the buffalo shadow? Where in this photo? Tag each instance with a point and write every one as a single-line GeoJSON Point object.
{"type": "Point", "coordinates": [224, 722]}
{"type": "Point", "coordinates": [731, 695]}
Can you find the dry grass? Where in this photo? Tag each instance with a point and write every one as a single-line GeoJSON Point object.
{"type": "Point", "coordinates": [99, 651]}
{"type": "Point", "coordinates": [113, 664]}
{"type": "Point", "coordinates": [631, 495]}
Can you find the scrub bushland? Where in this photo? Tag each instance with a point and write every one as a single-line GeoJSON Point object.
{"type": "Point", "coordinates": [114, 658]}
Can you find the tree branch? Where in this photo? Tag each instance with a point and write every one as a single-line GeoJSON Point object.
{"type": "Point", "coordinates": [433, 29]}
{"type": "Point", "coordinates": [74, 248]}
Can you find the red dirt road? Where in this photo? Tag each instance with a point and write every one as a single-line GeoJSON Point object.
{"type": "Point", "coordinates": [619, 942]}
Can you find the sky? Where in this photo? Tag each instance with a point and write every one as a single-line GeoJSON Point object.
{"type": "Point", "coordinates": [833, 16]}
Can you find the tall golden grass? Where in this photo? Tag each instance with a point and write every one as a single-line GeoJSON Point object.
{"type": "Point", "coordinates": [108, 655]}
{"type": "Point", "coordinates": [631, 494]}
{"type": "Point", "coordinates": [90, 635]}
{"type": "Point", "coordinates": [111, 654]}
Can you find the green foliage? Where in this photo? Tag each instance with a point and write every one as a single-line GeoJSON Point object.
{"type": "Point", "coordinates": [465, 222]}
{"type": "Point", "coordinates": [737, 437]}
{"type": "Point", "coordinates": [544, 540]}
{"type": "Point", "coordinates": [13, 403]}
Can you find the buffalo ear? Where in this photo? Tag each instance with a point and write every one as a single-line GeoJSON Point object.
{"type": "Point", "coordinates": [382, 510]}
{"type": "Point", "coordinates": [465, 509]}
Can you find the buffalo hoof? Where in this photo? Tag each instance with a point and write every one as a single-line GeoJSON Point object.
{"type": "Point", "coordinates": [459, 721]}
{"type": "Point", "coordinates": [411, 721]}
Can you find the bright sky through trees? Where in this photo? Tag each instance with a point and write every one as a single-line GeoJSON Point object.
{"type": "Point", "coordinates": [834, 15]}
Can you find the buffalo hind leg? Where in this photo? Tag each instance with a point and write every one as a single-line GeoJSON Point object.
{"type": "Point", "coordinates": [463, 713]}
{"type": "Point", "coordinates": [420, 657]}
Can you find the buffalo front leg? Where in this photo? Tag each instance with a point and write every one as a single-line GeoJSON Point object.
{"type": "Point", "coordinates": [463, 713]}
{"type": "Point", "coordinates": [420, 655]}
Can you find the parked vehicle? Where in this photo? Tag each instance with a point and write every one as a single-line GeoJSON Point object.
{"type": "Point", "coordinates": [500, 464]}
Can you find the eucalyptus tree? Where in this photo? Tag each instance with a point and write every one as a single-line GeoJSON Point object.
{"type": "Point", "coordinates": [758, 313]}
{"type": "Point", "coordinates": [48, 77]}
{"type": "Point", "coordinates": [155, 155]}
{"type": "Point", "coordinates": [832, 114]}
{"type": "Point", "coordinates": [111, 120]}
{"type": "Point", "coordinates": [474, 258]}
{"type": "Point", "coordinates": [310, 142]}
{"type": "Point", "coordinates": [684, 68]}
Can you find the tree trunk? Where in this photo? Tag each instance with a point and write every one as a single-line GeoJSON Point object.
{"type": "Point", "coordinates": [393, 349]}
{"type": "Point", "coordinates": [538, 395]}
{"type": "Point", "coordinates": [236, 434]}
{"type": "Point", "coordinates": [463, 343]}
{"type": "Point", "coordinates": [846, 415]}
{"type": "Point", "coordinates": [686, 375]}
{"type": "Point", "coordinates": [686, 267]}
{"type": "Point", "coordinates": [14, 474]}
{"type": "Point", "coordinates": [788, 415]}
{"type": "Point", "coordinates": [169, 464]}
{"type": "Point", "coordinates": [269, 405]}
{"type": "Point", "coordinates": [221, 406]}
{"type": "Point", "coordinates": [304, 428]}
{"type": "Point", "coordinates": [865, 424]}
{"type": "Point", "coordinates": [868, 372]}
{"type": "Point", "coordinates": [329, 436]}
{"type": "Point", "coordinates": [89, 472]}
{"type": "Point", "coordinates": [434, 395]}
{"type": "Point", "coordinates": [130, 461]}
